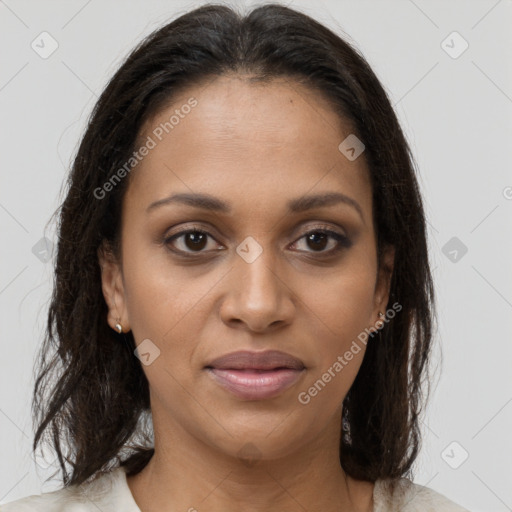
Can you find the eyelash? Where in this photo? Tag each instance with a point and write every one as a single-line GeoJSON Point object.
{"type": "Point", "coordinates": [343, 241]}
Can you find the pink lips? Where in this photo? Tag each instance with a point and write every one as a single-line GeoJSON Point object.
{"type": "Point", "coordinates": [256, 375]}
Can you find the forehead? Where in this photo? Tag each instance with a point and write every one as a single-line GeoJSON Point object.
{"type": "Point", "coordinates": [242, 139]}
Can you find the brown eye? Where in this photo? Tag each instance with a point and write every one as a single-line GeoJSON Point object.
{"type": "Point", "coordinates": [318, 239]}
{"type": "Point", "coordinates": [192, 240]}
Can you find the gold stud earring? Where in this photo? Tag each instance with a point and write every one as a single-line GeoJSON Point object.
{"type": "Point", "coordinates": [119, 327]}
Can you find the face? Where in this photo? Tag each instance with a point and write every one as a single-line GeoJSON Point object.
{"type": "Point", "coordinates": [256, 265]}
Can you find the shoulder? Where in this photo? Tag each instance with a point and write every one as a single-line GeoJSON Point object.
{"type": "Point", "coordinates": [105, 492]}
{"type": "Point", "coordinates": [410, 497]}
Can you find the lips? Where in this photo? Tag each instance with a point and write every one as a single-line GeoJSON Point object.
{"type": "Point", "coordinates": [256, 375]}
{"type": "Point", "coordinates": [268, 360]}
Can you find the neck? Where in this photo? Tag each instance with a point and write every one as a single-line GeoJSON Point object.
{"type": "Point", "coordinates": [184, 474]}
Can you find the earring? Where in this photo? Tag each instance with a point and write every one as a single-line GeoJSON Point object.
{"type": "Point", "coordinates": [346, 430]}
{"type": "Point", "coordinates": [380, 323]}
{"type": "Point", "coordinates": [119, 327]}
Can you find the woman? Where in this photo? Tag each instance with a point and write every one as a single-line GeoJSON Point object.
{"type": "Point", "coordinates": [243, 307]}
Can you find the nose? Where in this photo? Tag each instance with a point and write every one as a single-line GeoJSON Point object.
{"type": "Point", "coordinates": [258, 298]}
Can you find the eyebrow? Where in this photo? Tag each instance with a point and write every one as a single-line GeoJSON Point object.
{"type": "Point", "coordinates": [300, 204]}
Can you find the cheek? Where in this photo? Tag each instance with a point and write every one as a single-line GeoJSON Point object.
{"type": "Point", "coordinates": [336, 320]}
{"type": "Point", "coordinates": [154, 290]}
{"type": "Point", "coordinates": [163, 303]}
{"type": "Point", "coordinates": [343, 301]}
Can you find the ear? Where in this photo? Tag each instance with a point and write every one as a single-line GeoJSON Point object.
{"type": "Point", "coordinates": [383, 283]}
{"type": "Point", "coordinates": [113, 288]}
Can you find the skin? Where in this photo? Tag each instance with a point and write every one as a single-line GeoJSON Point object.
{"type": "Point", "coordinates": [255, 146]}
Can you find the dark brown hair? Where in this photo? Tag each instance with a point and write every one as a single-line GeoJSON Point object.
{"type": "Point", "coordinates": [91, 397]}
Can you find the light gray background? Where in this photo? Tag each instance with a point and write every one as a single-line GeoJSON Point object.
{"type": "Point", "coordinates": [457, 116]}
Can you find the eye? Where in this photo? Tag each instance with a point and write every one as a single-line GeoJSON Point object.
{"type": "Point", "coordinates": [192, 240]}
{"type": "Point", "coordinates": [318, 240]}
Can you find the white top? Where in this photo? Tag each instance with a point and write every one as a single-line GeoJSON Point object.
{"type": "Point", "coordinates": [110, 493]}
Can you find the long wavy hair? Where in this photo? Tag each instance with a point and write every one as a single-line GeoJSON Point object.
{"type": "Point", "coordinates": [91, 397]}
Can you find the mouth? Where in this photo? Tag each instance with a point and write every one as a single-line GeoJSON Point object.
{"type": "Point", "coordinates": [256, 375]}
